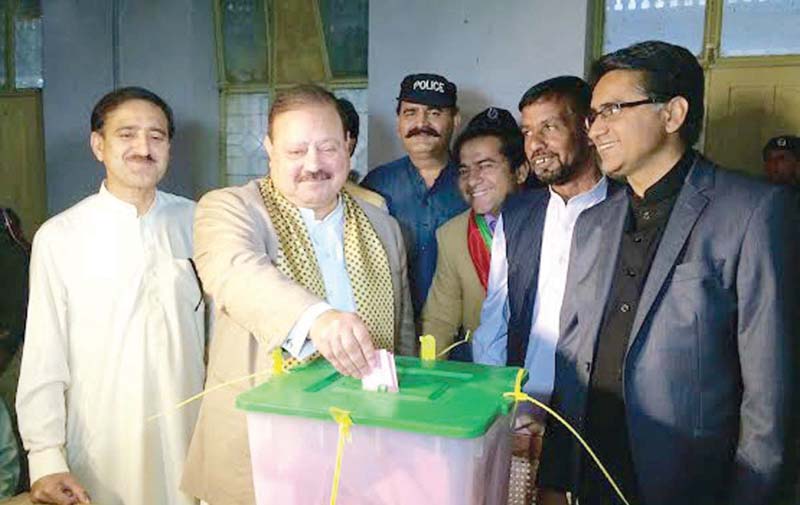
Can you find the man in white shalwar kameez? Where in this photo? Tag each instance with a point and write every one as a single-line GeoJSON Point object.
{"type": "Point", "coordinates": [115, 329]}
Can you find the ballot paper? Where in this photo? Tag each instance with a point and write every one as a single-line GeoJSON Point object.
{"type": "Point", "coordinates": [383, 377]}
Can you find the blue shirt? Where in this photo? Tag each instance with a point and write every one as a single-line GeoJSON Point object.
{"type": "Point", "coordinates": [419, 210]}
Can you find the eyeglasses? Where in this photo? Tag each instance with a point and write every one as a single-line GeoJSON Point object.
{"type": "Point", "coordinates": [611, 110]}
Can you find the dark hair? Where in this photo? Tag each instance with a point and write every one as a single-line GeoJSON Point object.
{"type": "Point", "coordinates": [112, 100]}
{"type": "Point", "coordinates": [351, 120]}
{"type": "Point", "coordinates": [300, 96]}
{"type": "Point", "coordinates": [669, 71]}
{"type": "Point", "coordinates": [574, 90]}
{"type": "Point", "coordinates": [512, 144]}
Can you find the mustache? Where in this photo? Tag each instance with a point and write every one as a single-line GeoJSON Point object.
{"type": "Point", "coordinates": [422, 130]}
{"type": "Point", "coordinates": [319, 175]}
{"type": "Point", "coordinates": [139, 158]}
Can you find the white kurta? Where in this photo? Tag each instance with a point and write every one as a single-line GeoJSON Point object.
{"type": "Point", "coordinates": [114, 335]}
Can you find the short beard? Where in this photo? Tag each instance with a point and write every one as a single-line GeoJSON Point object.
{"type": "Point", "coordinates": [564, 174]}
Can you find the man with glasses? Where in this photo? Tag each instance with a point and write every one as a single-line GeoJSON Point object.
{"type": "Point", "coordinates": [490, 155]}
{"type": "Point", "coordinates": [674, 351]}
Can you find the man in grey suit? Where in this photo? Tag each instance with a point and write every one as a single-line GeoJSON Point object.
{"type": "Point", "coordinates": [674, 355]}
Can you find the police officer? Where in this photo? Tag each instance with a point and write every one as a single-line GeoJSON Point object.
{"type": "Point", "coordinates": [782, 160]}
{"type": "Point", "coordinates": [421, 189]}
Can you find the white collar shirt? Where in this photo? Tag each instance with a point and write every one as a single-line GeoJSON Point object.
{"type": "Point", "coordinates": [115, 335]}
{"type": "Point", "coordinates": [490, 344]}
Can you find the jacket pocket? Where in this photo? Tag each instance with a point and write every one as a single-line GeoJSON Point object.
{"type": "Point", "coordinates": [697, 270]}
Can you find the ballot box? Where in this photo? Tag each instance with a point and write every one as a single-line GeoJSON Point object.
{"type": "Point", "coordinates": [443, 439]}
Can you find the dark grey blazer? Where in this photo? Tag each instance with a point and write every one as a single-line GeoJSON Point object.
{"type": "Point", "coordinates": [706, 377]}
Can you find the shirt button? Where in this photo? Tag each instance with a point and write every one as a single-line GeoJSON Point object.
{"type": "Point", "coordinates": [637, 238]}
{"type": "Point", "coordinates": [624, 308]}
{"type": "Point", "coordinates": [630, 272]}
{"type": "Point", "coordinates": [646, 215]}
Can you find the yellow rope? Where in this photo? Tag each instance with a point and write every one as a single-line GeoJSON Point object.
{"type": "Point", "coordinates": [427, 351]}
{"type": "Point", "coordinates": [455, 344]}
{"type": "Point", "coordinates": [205, 392]}
{"type": "Point", "coordinates": [277, 369]}
{"type": "Point", "coordinates": [342, 418]}
{"type": "Point", "coordinates": [519, 396]}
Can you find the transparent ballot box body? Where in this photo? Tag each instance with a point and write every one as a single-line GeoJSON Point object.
{"type": "Point", "coordinates": [443, 439]}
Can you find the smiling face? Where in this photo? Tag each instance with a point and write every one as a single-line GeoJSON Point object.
{"type": "Point", "coordinates": [632, 139]}
{"type": "Point", "coordinates": [425, 130]}
{"type": "Point", "coordinates": [554, 140]}
{"type": "Point", "coordinates": [134, 147]}
{"type": "Point", "coordinates": [308, 156]}
{"type": "Point", "coordinates": [485, 176]}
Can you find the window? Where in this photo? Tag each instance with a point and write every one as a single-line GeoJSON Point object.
{"type": "Point", "coordinates": [21, 45]}
{"type": "Point", "coordinates": [760, 27]}
{"type": "Point", "coordinates": [263, 45]}
{"type": "Point", "coordinates": [677, 21]}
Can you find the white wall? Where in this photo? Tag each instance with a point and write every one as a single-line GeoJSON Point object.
{"type": "Point", "coordinates": [492, 50]}
{"type": "Point", "coordinates": [92, 46]}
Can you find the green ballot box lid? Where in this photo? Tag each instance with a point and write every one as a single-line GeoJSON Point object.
{"type": "Point", "coordinates": [441, 398]}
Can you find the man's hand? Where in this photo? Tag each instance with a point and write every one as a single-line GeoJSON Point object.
{"type": "Point", "coordinates": [551, 497]}
{"type": "Point", "coordinates": [343, 339]}
{"type": "Point", "coordinates": [58, 489]}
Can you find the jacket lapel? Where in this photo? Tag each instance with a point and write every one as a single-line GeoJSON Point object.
{"type": "Point", "coordinates": [688, 207]}
{"type": "Point", "coordinates": [525, 243]}
{"type": "Point", "coordinates": [537, 218]}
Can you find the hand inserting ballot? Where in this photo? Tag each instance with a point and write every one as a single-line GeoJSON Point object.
{"type": "Point", "coordinates": [343, 339]}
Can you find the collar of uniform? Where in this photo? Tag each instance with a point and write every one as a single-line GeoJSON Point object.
{"type": "Point", "coordinates": [450, 171]}
{"type": "Point", "coordinates": [122, 207]}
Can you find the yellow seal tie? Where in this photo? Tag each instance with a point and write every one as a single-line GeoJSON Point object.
{"type": "Point", "coordinates": [427, 350]}
{"type": "Point", "coordinates": [277, 361]}
{"type": "Point", "coordinates": [519, 396]}
{"type": "Point", "coordinates": [342, 418]}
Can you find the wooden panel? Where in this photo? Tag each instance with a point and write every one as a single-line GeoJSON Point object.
{"type": "Point", "coordinates": [22, 182]}
{"type": "Point", "coordinates": [298, 42]}
{"type": "Point", "coordinates": [787, 99]}
{"type": "Point", "coordinates": [747, 107]}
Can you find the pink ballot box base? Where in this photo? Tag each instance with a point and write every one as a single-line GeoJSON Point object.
{"type": "Point", "coordinates": [293, 460]}
{"type": "Point", "coordinates": [444, 438]}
